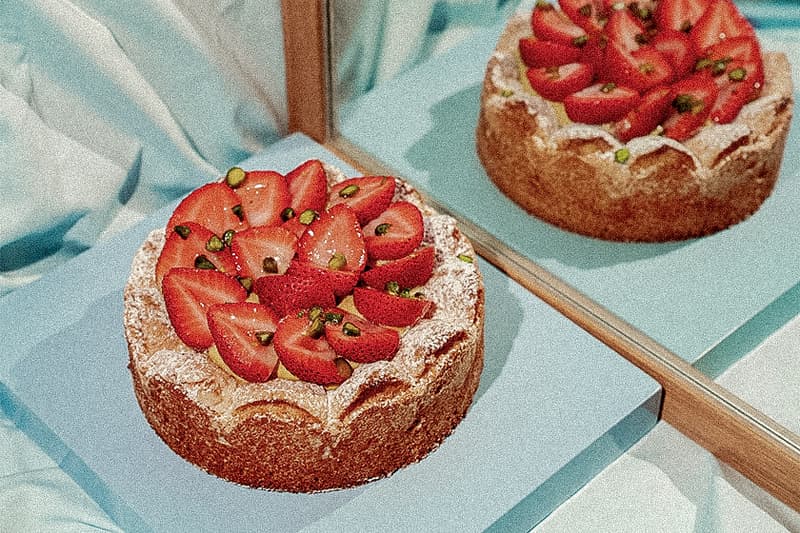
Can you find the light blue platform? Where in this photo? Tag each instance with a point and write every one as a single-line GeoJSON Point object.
{"type": "Point", "coordinates": [554, 407]}
{"type": "Point", "coordinates": [689, 296]}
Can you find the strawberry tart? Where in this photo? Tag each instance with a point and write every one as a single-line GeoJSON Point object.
{"type": "Point", "coordinates": [307, 331]}
{"type": "Point", "coordinates": [653, 120]}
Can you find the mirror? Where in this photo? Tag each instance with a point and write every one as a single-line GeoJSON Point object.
{"type": "Point", "coordinates": [407, 82]}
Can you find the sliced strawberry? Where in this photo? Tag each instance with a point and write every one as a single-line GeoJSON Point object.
{"type": "Point", "coordinates": [396, 232]}
{"type": "Point", "coordinates": [388, 309]}
{"type": "Point", "coordinates": [641, 69]}
{"type": "Point", "coordinates": [261, 250]}
{"type": "Point", "coordinates": [193, 246]}
{"type": "Point", "coordinates": [243, 333]}
{"type": "Point", "coordinates": [743, 48]}
{"type": "Point", "coordinates": [413, 270]}
{"type": "Point", "coordinates": [626, 30]}
{"type": "Point", "coordinates": [555, 83]}
{"type": "Point", "coordinates": [359, 340]}
{"type": "Point", "coordinates": [308, 186]}
{"type": "Point", "coordinates": [294, 225]}
{"type": "Point", "coordinates": [643, 119]}
{"type": "Point", "coordinates": [677, 48]}
{"type": "Point", "coordinates": [264, 195]}
{"type": "Point", "coordinates": [739, 85]}
{"type": "Point", "coordinates": [303, 350]}
{"type": "Point", "coordinates": [342, 281]}
{"type": "Point", "coordinates": [600, 103]}
{"type": "Point", "coordinates": [679, 15]}
{"type": "Point", "coordinates": [334, 241]}
{"type": "Point", "coordinates": [721, 20]}
{"type": "Point", "coordinates": [593, 53]}
{"type": "Point", "coordinates": [691, 99]}
{"type": "Point", "coordinates": [551, 24]}
{"type": "Point", "coordinates": [214, 206]}
{"type": "Point", "coordinates": [367, 196]}
{"type": "Point", "coordinates": [288, 293]}
{"type": "Point", "coordinates": [189, 293]}
{"type": "Point", "coordinates": [591, 15]}
{"type": "Point", "coordinates": [538, 53]}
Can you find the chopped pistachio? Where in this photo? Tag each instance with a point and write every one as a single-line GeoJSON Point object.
{"type": "Point", "coordinates": [466, 258]}
{"type": "Point", "coordinates": [227, 237]}
{"type": "Point", "coordinates": [315, 312]}
{"type": "Point", "coordinates": [203, 262]}
{"type": "Point", "coordinates": [622, 155]}
{"type": "Point", "coordinates": [580, 41]}
{"type": "Point", "coordinates": [737, 74]}
{"type": "Point", "coordinates": [214, 244]}
{"type": "Point", "coordinates": [235, 177]}
{"type": "Point", "coordinates": [316, 328]}
{"type": "Point", "coordinates": [506, 93]}
{"type": "Point", "coordinates": [382, 229]}
{"type": "Point", "coordinates": [392, 287]}
{"type": "Point", "coordinates": [337, 261]}
{"type": "Point", "coordinates": [349, 191]}
{"type": "Point", "coordinates": [183, 231]}
{"type": "Point", "coordinates": [287, 214]}
{"type": "Point", "coordinates": [307, 217]}
{"type": "Point", "coordinates": [264, 338]}
{"type": "Point", "coordinates": [608, 87]}
{"type": "Point", "coordinates": [333, 317]}
{"type": "Point", "coordinates": [350, 329]}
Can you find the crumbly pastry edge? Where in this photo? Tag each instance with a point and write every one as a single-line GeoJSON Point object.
{"type": "Point", "coordinates": [667, 190]}
{"type": "Point", "coordinates": [297, 436]}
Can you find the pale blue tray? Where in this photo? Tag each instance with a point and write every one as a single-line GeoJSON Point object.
{"type": "Point", "coordinates": [554, 407]}
{"type": "Point", "coordinates": [688, 296]}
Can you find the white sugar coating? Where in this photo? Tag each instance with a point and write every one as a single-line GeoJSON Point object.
{"type": "Point", "coordinates": [455, 289]}
{"type": "Point", "coordinates": [708, 149]}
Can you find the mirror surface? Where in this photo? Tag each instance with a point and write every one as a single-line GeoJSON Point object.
{"type": "Point", "coordinates": [407, 81]}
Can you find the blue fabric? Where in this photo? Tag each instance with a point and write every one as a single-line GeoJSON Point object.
{"type": "Point", "coordinates": [109, 110]}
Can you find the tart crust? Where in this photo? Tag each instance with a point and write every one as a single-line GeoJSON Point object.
{"type": "Point", "coordinates": [566, 173]}
{"type": "Point", "coordinates": [301, 437]}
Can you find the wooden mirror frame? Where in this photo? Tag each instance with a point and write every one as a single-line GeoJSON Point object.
{"type": "Point", "coordinates": [735, 432]}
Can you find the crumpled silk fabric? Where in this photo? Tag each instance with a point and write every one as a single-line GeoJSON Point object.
{"type": "Point", "coordinates": [109, 110]}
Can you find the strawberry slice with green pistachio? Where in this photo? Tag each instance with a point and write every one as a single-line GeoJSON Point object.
{"type": "Point", "coordinates": [641, 69]}
{"type": "Point", "coordinates": [692, 100]}
{"type": "Point", "coordinates": [308, 187]}
{"type": "Point", "coordinates": [538, 53]}
{"type": "Point", "coordinates": [392, 307]}
{"type": "Point", "coordinates": [555, 83]}
{"type": "Point", "coordinates": [643, 119]}
{"type": "Point", "coordinates": [262, 250]}
{"type": "Point", "coordinates": [396, 232]}
{"type": "Point", "coordinates": [591, 15]}
{"type": "Point", "coordinates": [600, 103]}
{"type": "Point", "coordinates": [193, 246]}
{"type": "Point", "coordinates": [302, 348]}
{"type": "Point", "coordinates": [679, 15]}
{"type": "Point", "coordinates": [289, 293]}
{"type": "Point", "coordinates": [334, 241]}
{"type": "Point", "coordinates": [264, 195]}
{"type": "Point", "coordinates": [359, 340]}
{"type": "Point", "coordinates": [214, 206]}
{"type": "Point", "coordinates": [189, 293]}
{"type": "Point", "coordinates": [413, 270]}
{"type": "Point", "coordinates": [551, 24]}
{"type": "Point", "coordinates": [243, 333]}
{"type": "Point", "coordinates": [367, 196]}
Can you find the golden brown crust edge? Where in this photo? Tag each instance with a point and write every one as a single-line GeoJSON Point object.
{"type": "Point", "coordinates": [666, 191]}
{"type": "Point", "coordinates": [293, 436]}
